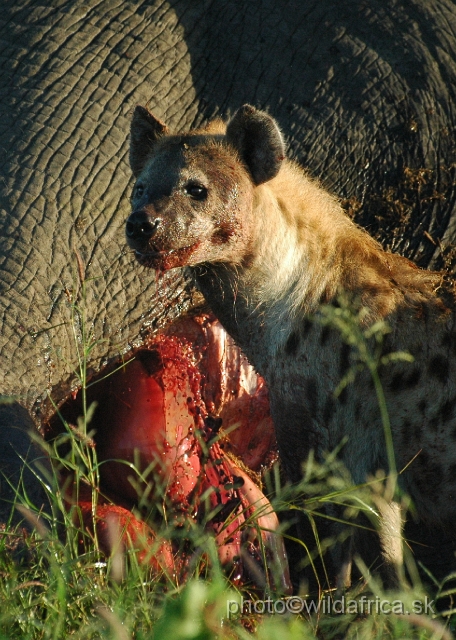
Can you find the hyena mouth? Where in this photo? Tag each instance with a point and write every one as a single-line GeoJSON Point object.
{"type": "Point", "coordinates": [164, 260]}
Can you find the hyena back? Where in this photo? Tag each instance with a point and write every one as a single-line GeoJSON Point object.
{"type": "Point", "coordinates": [268, 247]}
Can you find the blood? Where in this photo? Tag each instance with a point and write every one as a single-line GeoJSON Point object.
{"type": "Point", "coordinates": [145, 420]}
{"type": "Point", "coordinates": [116, 528]}
{"type": "Point", "coordinates": [159, 431]}
{"type": "Point", "coordinates": [231, 390]}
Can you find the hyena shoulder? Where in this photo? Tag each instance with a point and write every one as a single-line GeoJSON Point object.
{"type": "Point", "coordinates": [269, 248]}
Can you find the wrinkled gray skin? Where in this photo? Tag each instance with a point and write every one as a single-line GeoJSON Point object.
{"type": "Point", "coordinates": [364, 92]}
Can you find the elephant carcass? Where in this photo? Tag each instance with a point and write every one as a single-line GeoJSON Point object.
{"type": "Point", "coordinates": [365, 93]}
{"type": "Point", "coordinates": [63, 202]}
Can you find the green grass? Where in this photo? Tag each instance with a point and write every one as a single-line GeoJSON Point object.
{"type": "Point", "coordinates": [51, 588]}
{"type": "Point", "coordinates": [48, 589]}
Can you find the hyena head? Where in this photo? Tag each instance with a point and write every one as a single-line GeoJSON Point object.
{"type": "Point", "coordinates": [192, 201]}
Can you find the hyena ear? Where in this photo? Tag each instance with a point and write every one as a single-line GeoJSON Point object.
{"type": "Point", "coordinates": [257, 138]}
{"type": "Point", "coordinates": [145, 130]}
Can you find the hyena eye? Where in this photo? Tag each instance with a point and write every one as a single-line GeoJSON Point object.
{"type": "Point", "coordinates": [138, 191]}
{"type": "Point", "coordinates": [196, 191]}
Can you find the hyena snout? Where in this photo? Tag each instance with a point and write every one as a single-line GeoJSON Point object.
{"type": "Point", "coordinates": [140, 228]}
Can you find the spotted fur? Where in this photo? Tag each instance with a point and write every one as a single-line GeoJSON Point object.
{"type": "Point", "coordinates": [267, 246]}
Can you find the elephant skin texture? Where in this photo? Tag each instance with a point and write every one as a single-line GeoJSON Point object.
{"type": "Point", "coordinates": [363, 92]}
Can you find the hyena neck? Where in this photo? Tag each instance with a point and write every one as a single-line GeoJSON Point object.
{"type": "Point", "coordinates": [307, 251]}
{"type": "Point", "coordinates": [304, 252]}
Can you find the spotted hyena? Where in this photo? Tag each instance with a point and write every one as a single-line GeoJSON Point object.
{"type": "Point", "coordinates": [267, 246]}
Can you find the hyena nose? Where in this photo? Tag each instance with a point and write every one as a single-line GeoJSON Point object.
{"type": "Point", "coordinates": [140, 228]}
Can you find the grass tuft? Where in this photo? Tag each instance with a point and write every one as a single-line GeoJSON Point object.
{"type": "Point", "coordinates": [56, 582]}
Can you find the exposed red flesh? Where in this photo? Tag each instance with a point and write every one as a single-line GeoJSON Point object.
{"type": "Point", "coordinates": [117, 529]}
{"type": "Point", "coordinates": [234, 391]}
{"type": "Point", "coordinates": [146, 420]}
{"type": "Point", "coordinates": [154, 415]}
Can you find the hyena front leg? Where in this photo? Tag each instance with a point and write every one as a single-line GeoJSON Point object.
{"type": "Point", "coordinates": [296, 439]}
{"type": "Point", "coordinates": [380, 549]}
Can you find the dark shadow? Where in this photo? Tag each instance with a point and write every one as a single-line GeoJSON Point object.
{"type": "Point", "coordinates": [22, 461]}
{"type": "Point", "coordinates": [362, 90]}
